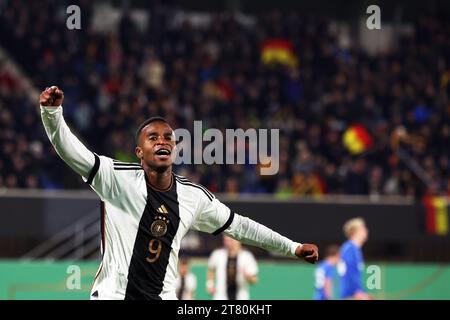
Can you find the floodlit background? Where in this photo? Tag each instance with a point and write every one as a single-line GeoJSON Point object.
{"type": "Point", "coordinates": [364, 120]}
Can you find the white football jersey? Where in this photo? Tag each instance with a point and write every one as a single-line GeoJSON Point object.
{"type": "Point", "coordinates": [245, 264]}
{"type": "Point", "coordinates": [186, 290]}
{"type": "Point", "coordinates": [142, 227]}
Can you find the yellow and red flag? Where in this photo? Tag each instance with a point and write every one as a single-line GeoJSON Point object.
{"type": "Point", "coordinates": [279, 51]}
{"type": "Point", "coordinates": [357, 139]}
{"type": "Point", "coordinates": [436, 215]}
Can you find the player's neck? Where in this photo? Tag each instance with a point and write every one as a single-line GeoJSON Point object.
{"type": "Point", "coordinates": [161, 181]}
{"type": "Point", "coordinates": [233, 252]}
{"type": "Point", "coordinates": [358, 242]}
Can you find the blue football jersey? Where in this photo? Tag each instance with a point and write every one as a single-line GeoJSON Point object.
{"type": "Point", "coordinates": [350, 269]}
{"type": "Point", "coordinates": [323, 272]}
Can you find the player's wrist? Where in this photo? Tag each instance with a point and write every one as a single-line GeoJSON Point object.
{"type": "Point", "coordinates": [51, 108]}
{"type": "Point", "coordinates": [295, 248]}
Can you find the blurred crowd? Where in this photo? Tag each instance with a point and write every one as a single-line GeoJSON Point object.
{"type": "Point", "coordinates": [114, 81]}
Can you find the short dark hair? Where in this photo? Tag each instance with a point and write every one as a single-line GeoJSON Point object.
{"type": "Point", "coordinates": [331, 250]}
{"type": "Point", "coordinates": [147, 122]}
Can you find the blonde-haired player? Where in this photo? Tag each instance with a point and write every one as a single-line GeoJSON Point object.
{"type": "Point", "coordinates": [351, 265]}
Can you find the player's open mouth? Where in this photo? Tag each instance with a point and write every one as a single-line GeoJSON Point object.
{"type": "Point", "coordinates": [163, 153]}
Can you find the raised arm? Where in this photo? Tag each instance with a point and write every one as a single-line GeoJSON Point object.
{"type": "Point", "coordinates": [66, 144]}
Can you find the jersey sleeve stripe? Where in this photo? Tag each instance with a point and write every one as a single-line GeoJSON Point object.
{"type": "Point", "coordinates": [94, 169]}
{"type": "Point", "coordinates": [195, 186]}
{"type": "Point", "coordinates": [127, 166]}
{"type": "Point", "coordinates": [102, 226]}
{"type": "Point", "coordinates": [117, 163]}
{"type": "Point", "coordinates": [226, 225]}
{"type": "Point", "coordinates": [183, 179]}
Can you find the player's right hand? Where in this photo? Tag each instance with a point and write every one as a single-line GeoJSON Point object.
{"type": "Point", "coordinates": [51, 97]}
{"type": "Point", "coordinates": [211, 290]}
{"type": "Point", "coordinates": [308, 251]}
{"type": "Point", "coordinates": [210, 286]}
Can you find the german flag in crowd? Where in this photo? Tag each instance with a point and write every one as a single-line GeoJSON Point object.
{"type": "Point", "coordinates": [357, 139]}
{"type": "Point", "coordinates": [279, 51]}
{"type": "Point", "coordinates": [436, 215]}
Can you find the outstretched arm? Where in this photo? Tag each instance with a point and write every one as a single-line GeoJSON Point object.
{"type": "Point", "coordinates": [215, 217]}
{"type": "Point", "coordinates": [253, 233]}
{"type": "Point", "coordinates": [66, 144]}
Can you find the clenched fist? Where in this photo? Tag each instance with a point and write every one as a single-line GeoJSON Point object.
{"type": "Point", "coordinates": [309, 252]}
{"type": "Point", "coordinates": [51, 97]}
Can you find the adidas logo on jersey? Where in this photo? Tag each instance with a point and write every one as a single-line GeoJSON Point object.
{"type": "Point", "coordinates": [162, 209]}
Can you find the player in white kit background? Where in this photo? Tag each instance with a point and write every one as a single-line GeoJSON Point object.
{"type": "Point", "coordinates": [147, 209]}
{"type": "Point", "coordinates": [186, 283]}
{"type": "Point", "coordinates": [231, 270]}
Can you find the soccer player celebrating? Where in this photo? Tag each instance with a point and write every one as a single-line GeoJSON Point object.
{"type": "Point", "coordinates": [351, 265]}
{"type": "Point", "coordinates": [230, 270]}
{"type": "Point", "coordinates": [147, 209]}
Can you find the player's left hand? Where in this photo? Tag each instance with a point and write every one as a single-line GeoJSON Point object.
{"type": "Point", "coordinates": [308, 251]}
{"type": "Point", "coordinates": [250, 277]}
{"type": "Point", "coordinates": [51, 97]}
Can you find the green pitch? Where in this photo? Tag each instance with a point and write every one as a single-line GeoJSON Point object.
{"type": "Point", "coordinates": [57, 280]}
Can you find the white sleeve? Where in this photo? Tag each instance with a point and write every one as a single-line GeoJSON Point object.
{"type": "Point", "coordinates": [212, 216]}
{"type": "Point", "coordinates": [192, 282]}
{"type": "Point", "coordinates": [253, 233]}
{"type": "Point", "coordinates": [68, 147]}
{"type": "Point", "coordinates": [215, 217]}
{"type": "Point", "coordinates": [97, 171]}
